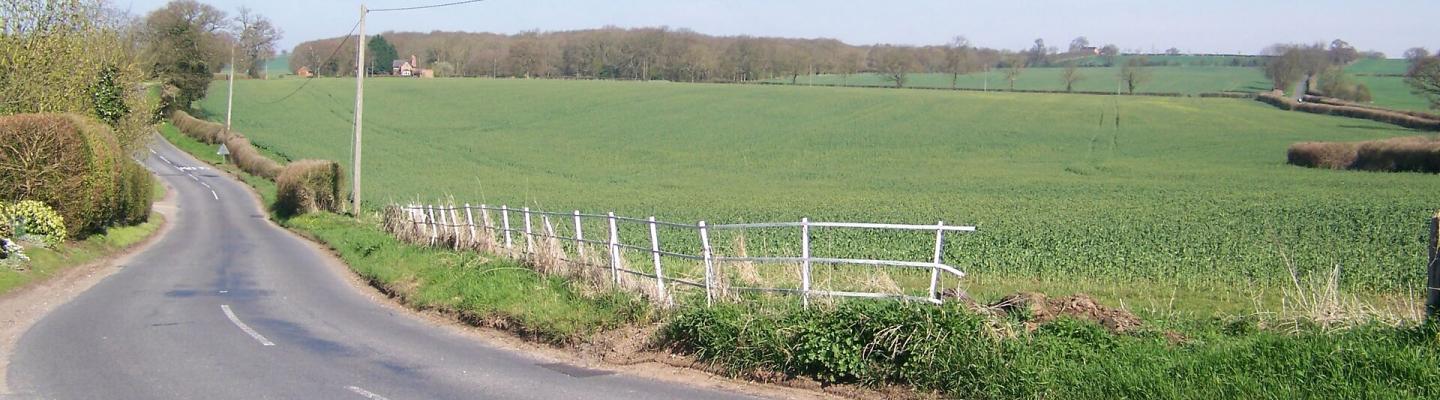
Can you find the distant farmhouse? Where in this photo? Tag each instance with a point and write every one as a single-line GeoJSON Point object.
{"type": "Point", "coordinates": [304, 72]}
{"type": "Point", "coordinates": [1090, 49]}
{"type": "Point", "coordinates": [410, 68]}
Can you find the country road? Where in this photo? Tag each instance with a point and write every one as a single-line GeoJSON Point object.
{"type": "Point", "coordinates": [228, 306]}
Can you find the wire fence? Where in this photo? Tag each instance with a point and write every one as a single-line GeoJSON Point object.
{"type": "Point", "coordinates": [659, 257]}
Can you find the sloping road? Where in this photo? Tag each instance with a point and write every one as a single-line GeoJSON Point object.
{"type": "Point", "coordinates": [228, 306]}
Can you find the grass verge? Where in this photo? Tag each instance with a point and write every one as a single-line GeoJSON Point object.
{"type": "Point", "coordinates": [45, 263]}
{"type": "Point", "coordinates": [959, 353]}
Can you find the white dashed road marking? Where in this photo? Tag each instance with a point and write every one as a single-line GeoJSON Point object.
{"type": "Point", "coordinates": [245, 328]}
{"type": "Point", "coordinates": [366, 393]}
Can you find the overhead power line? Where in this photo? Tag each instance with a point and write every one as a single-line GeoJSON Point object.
{"type": "Point", "coordinates": [327, 61]}
{"type": "Point", "coordinates": [424, 7]}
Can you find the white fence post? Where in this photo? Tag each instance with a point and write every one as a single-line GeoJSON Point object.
{"type": "Point", "coordinates": [444, 228]}
{"type": "Point", "coordinates": [455, 226]}
{"type": "Point", "coordinates": [470, 221]}
{"type": "Point", "coordinates": [579, 238]}
{"type": "Point", "coordinates": [805, 261]}
{"type": "Point", "coordinates": [709, 265]}
{"type": "Point", "coordinates": [529, 235]}
{"type": "Point", "coordinates": [935, 270]}
{"type": "Point", "coordinates": [655, 257]}
{"type": "Point", "coordinates": [486, 223]}
{"type": "Point", "coordinates": [614, 251]}
{"type": "Point", "coordinates": [505, 220]}
{"type": "Point", "coordinates": [550, 235]}
{"type": "Point", "coordinates": [414, 217]}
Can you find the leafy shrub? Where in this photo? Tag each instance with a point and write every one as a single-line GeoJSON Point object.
{"type": "Point", "coordinates": [67, 161]}
{"type": "Point", "coordinates": [307, 186]}
{"type": "Point", "coordinates": [32, 218]}
{"type": "Point", "coordinates": [134, 196]}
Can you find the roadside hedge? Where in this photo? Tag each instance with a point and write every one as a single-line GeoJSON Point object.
{"type": "Point", "coordinates": [66, 161]}
{"type": "Point", "coordinates": [242, 153]}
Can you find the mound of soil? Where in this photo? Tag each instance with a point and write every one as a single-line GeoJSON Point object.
{"type": "Point", "coordinates": [1041, 309]}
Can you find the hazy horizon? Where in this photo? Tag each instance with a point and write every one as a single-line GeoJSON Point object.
{"type": "Point", "coordinates": [1222, 26]}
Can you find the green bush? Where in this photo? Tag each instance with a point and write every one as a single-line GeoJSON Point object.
{"type": "Point", "coordinates": [67, 161]}
{"type": "Point", "coordinates": [32, 218]}
{"type": "Point", "coordinates": [134, 196]}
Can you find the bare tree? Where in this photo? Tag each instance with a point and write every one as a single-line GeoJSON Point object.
{"type": "Point", "coordinates": [1134, 73]}
{"type": "Point", "coordinates": [957, 58]}
{"type": "Point", "coordinates": [1079, 44]}
{"type": "Point", "coordinates": [1014, 65]}
{"type": "Point", "coordinates": [1341, 53]}
{"type": "Point", "coordinates": [1109, 52]}
{"type": "Point", "coordinates": [1415, 54]}
{"type": "Point", "coordinates": [1070, 75]}
{"type": "Point", "coordinates": [1037, 54]}
{"type": "Point", "coordinates": [257, 38]}
{"type": "Point", "coordinates": [894, 62]}
{"type": "Point", "coordinates": [1173, 51]}
{"type": "Point", "coordinates": [1424, 79]}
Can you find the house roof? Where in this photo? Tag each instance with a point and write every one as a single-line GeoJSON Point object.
{"type": "Point", "coordinates": [399, 63]}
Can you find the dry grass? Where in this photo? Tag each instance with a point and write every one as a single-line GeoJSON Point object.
{"type": "Point", "coordinates": [1408, 154]}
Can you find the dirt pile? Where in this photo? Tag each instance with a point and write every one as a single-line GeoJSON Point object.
{"type": "Point", "coordinates": [1038, 309]}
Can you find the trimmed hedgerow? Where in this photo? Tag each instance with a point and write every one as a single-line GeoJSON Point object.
{"type": "Point", "coordinates": [67, 161]}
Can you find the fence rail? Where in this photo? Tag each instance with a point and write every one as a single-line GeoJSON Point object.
{"type": "Point", "coordinates": [452, 225]}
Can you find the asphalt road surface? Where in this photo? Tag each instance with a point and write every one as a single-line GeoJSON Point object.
{"type": "Point", "coordinates": [227, 306]}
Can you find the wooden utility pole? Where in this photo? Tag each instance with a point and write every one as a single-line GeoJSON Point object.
{"type": "Point", "coordinates": [359, 110]}
{"type": "Point", "coordinates": [230, 96]}
{"type": "Point", "coordinates": [1432, 269]}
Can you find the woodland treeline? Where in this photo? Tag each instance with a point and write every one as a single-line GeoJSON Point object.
{"type": "Point", "coordinates": [673, 54]}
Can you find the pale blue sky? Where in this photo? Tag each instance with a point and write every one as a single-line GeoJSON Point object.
{"type": "Point", "coordinates": [1223, 26]}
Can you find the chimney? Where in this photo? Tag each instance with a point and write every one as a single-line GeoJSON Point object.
{"type": "Point", "coordinates": [413, 64]}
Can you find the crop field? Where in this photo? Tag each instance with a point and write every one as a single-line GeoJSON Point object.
{"type": "Point", "coordinates": [1186, 197]}
{"type": "Point", "coordinates": [1185, 80]}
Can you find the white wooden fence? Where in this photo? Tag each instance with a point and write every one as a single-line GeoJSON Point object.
{"type": "Point", "coordinates": [451, 225]}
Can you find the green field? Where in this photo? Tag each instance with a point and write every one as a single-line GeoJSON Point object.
{"type": "Point", "coordinates": [1369, 66]}
{"type": "Point", "coordinates": [278, 67]}
{"type": "Point", "coordinates": [1178, 60]}
{"type": "Point", "coordinates": [1188, 194]}
{"type": "Point", "coordinates": [1186, 80]}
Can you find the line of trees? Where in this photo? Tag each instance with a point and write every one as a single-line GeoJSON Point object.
{"type": "Point", "coordinates": [186, 42]}
{"type": "Point", "coordinates": [1318, 66]}
{"type": "Point", "coordinates": [676, 55]}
